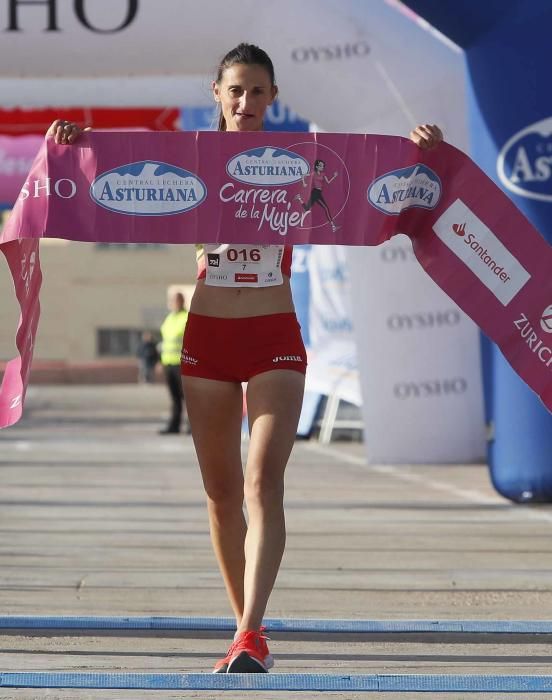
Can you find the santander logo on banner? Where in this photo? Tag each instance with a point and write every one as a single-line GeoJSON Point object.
{"type": "Point", "coordinates": [524, 163]}
{"type": "Point", "coordinates": [148, 188]}
{"type": "Point", "coordinates": [477, 246]}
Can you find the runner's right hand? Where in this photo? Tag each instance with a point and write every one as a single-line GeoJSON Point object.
{"type": "Point", "coordinates": [65, 132]}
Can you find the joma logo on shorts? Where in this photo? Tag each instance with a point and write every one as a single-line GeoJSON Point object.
{"type": "Point", "coordinates": [287, 358]}
{"type": "Point", "coordinates": [188, 359]}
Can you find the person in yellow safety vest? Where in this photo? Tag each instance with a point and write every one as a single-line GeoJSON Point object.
{"type": "Point", "coordinates": [172, 331]}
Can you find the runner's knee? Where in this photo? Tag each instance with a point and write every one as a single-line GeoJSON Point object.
{"type": "Point", "coordinates": [223, 494]}
{"type": "Point", "coordinates": [264, 489]}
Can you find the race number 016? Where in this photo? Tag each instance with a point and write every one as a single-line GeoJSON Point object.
{"type": "Point", "coordinates": [243, 255]}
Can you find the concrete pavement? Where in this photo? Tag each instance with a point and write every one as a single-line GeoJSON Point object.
{"type": "Point", "coordinates": [101, 516]}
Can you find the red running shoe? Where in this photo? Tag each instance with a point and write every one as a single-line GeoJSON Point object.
{"type": "Point", "coordinates": [248, 653]}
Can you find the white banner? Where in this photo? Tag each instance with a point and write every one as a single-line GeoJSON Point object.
{"type": "Point", "coordinates": [333, 368]}
{"type": "Point", "coordinates": [419, 356]}
{"type": "Point", "coordinates": [339, 63]}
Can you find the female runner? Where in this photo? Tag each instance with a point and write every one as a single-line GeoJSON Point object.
{"type": "Point", "coordinates": [242, 328]}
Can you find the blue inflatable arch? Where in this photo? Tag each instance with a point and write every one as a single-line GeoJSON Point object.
{"type": "Point", "coordinates": [507, 52]}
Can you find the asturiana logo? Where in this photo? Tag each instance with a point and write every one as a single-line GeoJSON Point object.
{"type": "Point", "coordinates": [268, 166]}
{"type": "Point", "coordinates": [525, 161]}
{"type": "Point", "coordinates": [148, 188]}
{"type": "Point", "coordinates": [416, 186]}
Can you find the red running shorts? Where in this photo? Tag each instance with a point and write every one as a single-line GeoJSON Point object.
{"type": "Point", "coordinates": [236, 349]}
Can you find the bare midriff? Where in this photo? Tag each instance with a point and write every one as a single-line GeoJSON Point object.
{"type": "Point", "coordinates": [241, 302]}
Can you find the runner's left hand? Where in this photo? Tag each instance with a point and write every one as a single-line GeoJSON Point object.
{"type": "Point", "coordinates": [427, 136]}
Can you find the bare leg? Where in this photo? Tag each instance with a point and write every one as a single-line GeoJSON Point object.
{"type": "Point", "coordinates": [274, 404]}
{"type": "Point", "coordinates": [326, 209]}
{"type": "Point", "coordinates": [215, 412]}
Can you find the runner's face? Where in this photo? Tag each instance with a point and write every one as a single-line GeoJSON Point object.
{"type": "Point", "coordinates": [244, 93]}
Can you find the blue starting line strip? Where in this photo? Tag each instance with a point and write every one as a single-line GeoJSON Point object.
{"type": "Point", "coordinates": [276, 625]}
{"type": "Point", "coordinates": [281, 681]}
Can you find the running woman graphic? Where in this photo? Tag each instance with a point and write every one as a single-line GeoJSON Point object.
{"type": "Point", "coordinates": [316, 196]}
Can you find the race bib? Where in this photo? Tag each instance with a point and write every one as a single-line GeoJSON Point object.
{"type": "Point", "coordinates": [229, 265]}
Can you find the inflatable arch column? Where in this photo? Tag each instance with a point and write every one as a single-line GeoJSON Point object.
{"type": "Point", "coordinates": [506, 44]}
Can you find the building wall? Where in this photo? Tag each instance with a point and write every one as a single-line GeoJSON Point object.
{"type": "Point", "coordinates": [86, 287]}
